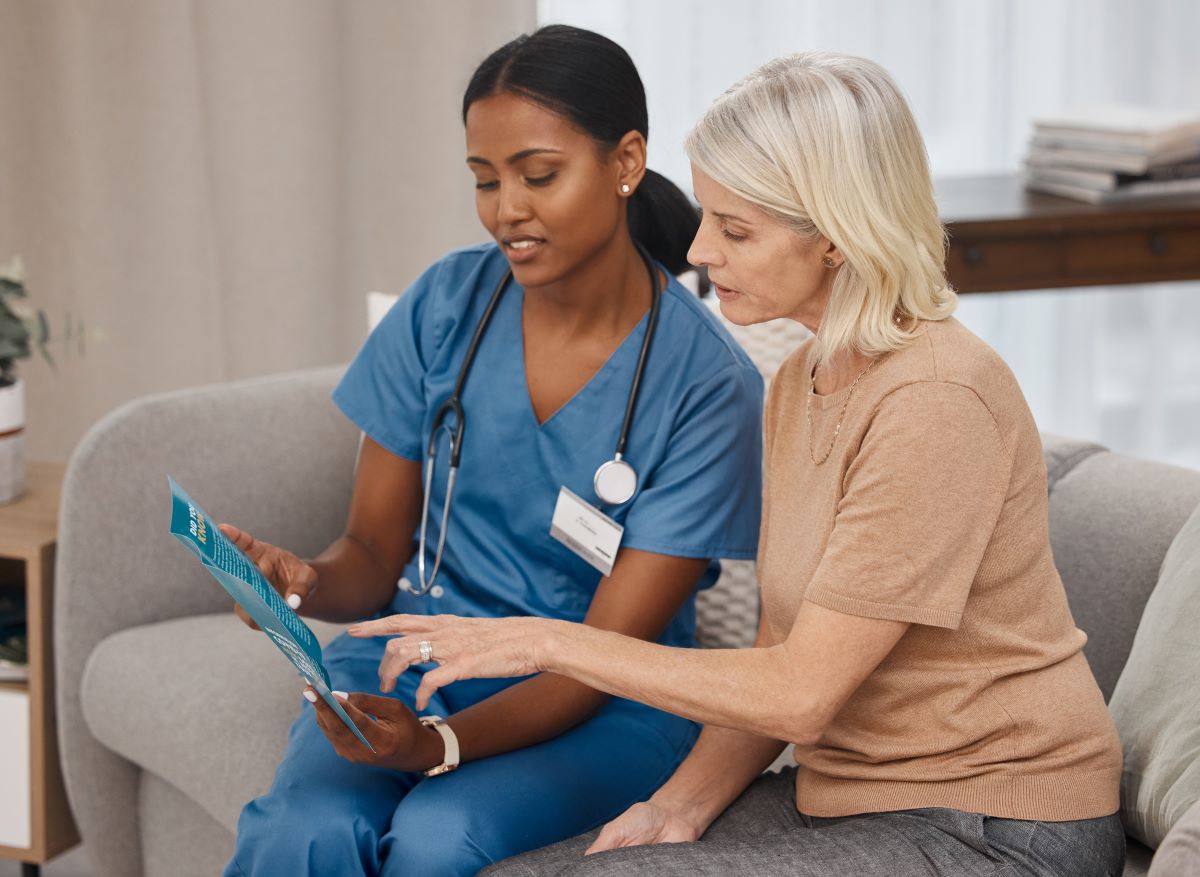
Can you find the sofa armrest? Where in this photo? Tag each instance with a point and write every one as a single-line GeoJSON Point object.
{"type": "Point", "coordinates": [1179, 853]}
{"type": "Point", "coordinates": [272, 455]}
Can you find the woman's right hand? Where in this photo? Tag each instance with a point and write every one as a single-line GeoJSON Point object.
{"type": "Point", "coordinates": [294, 579]}
{"type": "Point", "coordinates": [646, 823]}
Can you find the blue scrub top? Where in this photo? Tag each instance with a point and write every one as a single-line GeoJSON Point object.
{"type": "Point", "coordinates": [695, 443]}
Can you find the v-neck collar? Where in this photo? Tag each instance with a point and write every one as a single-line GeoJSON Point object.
{"type": "Point", "coordinates": [636, 331]}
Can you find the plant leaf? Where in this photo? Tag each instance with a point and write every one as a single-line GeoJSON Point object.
{"type": "Point", "coordinates": [45, 351]}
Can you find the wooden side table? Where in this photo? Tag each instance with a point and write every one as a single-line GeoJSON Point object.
{"type": "Point", "coordinates": [1004, 238]}
{"type": "Point", "coordinates": [43, 827]}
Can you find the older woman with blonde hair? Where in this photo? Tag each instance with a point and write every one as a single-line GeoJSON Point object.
{"type": "Point", "coordinates": [915, 644]}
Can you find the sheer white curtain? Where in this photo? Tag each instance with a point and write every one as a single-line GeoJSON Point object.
{"type": "Point", "coordinates": [215, 184]}
{"type": "Point", "coordinates": [1119, 365]}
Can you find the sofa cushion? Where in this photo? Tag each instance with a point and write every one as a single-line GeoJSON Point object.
{"type": "Point", "coordinates": [1112, 518]}
{"type": "Point", "coordinates": [203, 702]}
{"type": "Point", "coordinates": [1062, 454]}
{"type": "Point", "coordinates": [1156, 703]}
{"type": "Point", "coordinates": [179, 838]}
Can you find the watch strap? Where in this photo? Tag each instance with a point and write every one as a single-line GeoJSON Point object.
{"type": "Point", "coordinates": [451, 758]}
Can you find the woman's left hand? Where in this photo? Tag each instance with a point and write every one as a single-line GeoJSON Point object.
{"type": "Point", "coordinates": [401, 742]}
{"type": "Point", "coordinates": [464, 648]}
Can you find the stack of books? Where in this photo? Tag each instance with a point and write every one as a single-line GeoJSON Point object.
{"type": "Point", "coordinates": [1115, 154]}
{"type": "Point", "coordinates": [14, 651]}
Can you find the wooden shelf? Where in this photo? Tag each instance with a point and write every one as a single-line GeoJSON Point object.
{"type": "Point", "coordinates": [1004, 238]}
{"type": "Point", "coordinates": [31, 522]}
{"type": "Point", "coordinates": [28, 537]}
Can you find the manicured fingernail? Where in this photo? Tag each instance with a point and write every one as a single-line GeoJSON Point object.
{"type": "Point", "coordinates": [293, 600]}
{"type": "Point", "coordinates": [310, 696]}
{"type": "Point", "coordinates": [340, 695]}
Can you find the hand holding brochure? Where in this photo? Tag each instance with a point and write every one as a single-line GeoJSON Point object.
{"type": "Point", "coordinates": [250, 588]}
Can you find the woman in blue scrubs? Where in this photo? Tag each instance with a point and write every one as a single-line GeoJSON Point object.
{"type": "Point", "coordinates": [556, 142]}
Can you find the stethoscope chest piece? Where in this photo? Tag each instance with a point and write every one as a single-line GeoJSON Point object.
{"type": "Point", "coordinates": [615, 482]}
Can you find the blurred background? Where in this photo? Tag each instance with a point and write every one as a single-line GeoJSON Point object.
{"type": "Point", "coordinates": [204, 190]}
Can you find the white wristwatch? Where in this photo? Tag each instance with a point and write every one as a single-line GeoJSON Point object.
{"type": "Point", "coordinates": [450, 761]}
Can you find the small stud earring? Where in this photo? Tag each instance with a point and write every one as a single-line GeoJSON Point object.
{"type": "Point", "coordinates": [624, 188]}
{"type": "Point", "coordinates": [827, 262]}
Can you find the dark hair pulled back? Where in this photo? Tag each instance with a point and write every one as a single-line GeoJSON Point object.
{"type": "Point", "coordinates": [592, 82]}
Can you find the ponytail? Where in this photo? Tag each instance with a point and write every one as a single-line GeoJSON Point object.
{"type": "Point", "coordinates": [663, 220]}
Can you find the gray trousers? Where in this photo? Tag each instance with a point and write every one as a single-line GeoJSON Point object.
{"type": "Point", "coordinates": [762, 832]}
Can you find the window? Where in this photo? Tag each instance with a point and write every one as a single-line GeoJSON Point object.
{"type": "Point", "coordinates": [1118, 365]}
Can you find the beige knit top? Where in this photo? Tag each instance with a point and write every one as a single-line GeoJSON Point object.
{"type": "Point", "coordinates": [932, 509]}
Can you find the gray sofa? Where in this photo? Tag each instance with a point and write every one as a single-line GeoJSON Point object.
{"type": "Point", "coordinates": [172, 714]}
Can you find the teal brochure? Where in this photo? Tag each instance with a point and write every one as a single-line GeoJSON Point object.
{"type": "Point", "coordinates": [249, 587]}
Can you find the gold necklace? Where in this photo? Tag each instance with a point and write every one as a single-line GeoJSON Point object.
{"type": "Point", "coordinates": [812, 389]}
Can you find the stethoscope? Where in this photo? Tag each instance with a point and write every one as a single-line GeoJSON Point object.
{"type": "Point", "coordinates": [615, 480]}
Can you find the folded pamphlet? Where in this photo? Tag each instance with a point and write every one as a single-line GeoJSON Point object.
{"type": "Point", "coordinates": [247, 585]}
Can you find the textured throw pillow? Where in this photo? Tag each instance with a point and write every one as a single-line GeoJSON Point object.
{"type": "Point", "coordinates": [1156, 704]}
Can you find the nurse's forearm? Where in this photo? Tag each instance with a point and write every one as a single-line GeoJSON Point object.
{"type": "Point", "coordinates": [757, 690]}
{"type": "Point", "coordinates": [352, 583]}
{"type": "Point", "coordinates": [357, 574]}
{"type": "Point", "coordinates": [530, 712]}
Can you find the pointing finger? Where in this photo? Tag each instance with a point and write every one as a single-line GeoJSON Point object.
{"type": "Point", "coordinates": [431, 682]}
{"type": "Point", "coordinates": [392, 625]}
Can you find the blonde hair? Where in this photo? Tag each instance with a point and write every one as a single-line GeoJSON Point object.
{"type": "Point", "coordinates": [827, 145]}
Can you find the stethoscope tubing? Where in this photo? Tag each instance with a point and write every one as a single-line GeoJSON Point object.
{"type": "Point", "coordinates": [643, 354]}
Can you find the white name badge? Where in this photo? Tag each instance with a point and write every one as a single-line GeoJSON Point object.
{"type": "Point", "coordinates": [587, 531]}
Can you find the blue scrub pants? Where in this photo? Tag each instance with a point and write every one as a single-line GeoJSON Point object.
{"type": "Point", "coordinates": [330, 817]}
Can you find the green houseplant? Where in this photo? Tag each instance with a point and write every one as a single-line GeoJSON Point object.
{"type": "Point", "coordinates": [21, 330]}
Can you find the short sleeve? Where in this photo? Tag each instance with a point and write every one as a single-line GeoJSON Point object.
{"type": "Point", "coordinates": [704, 498]}
{"type": "Point", "coordinates": [920, 504]}
{"type": "Point", "coordinates": [383, 390]}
